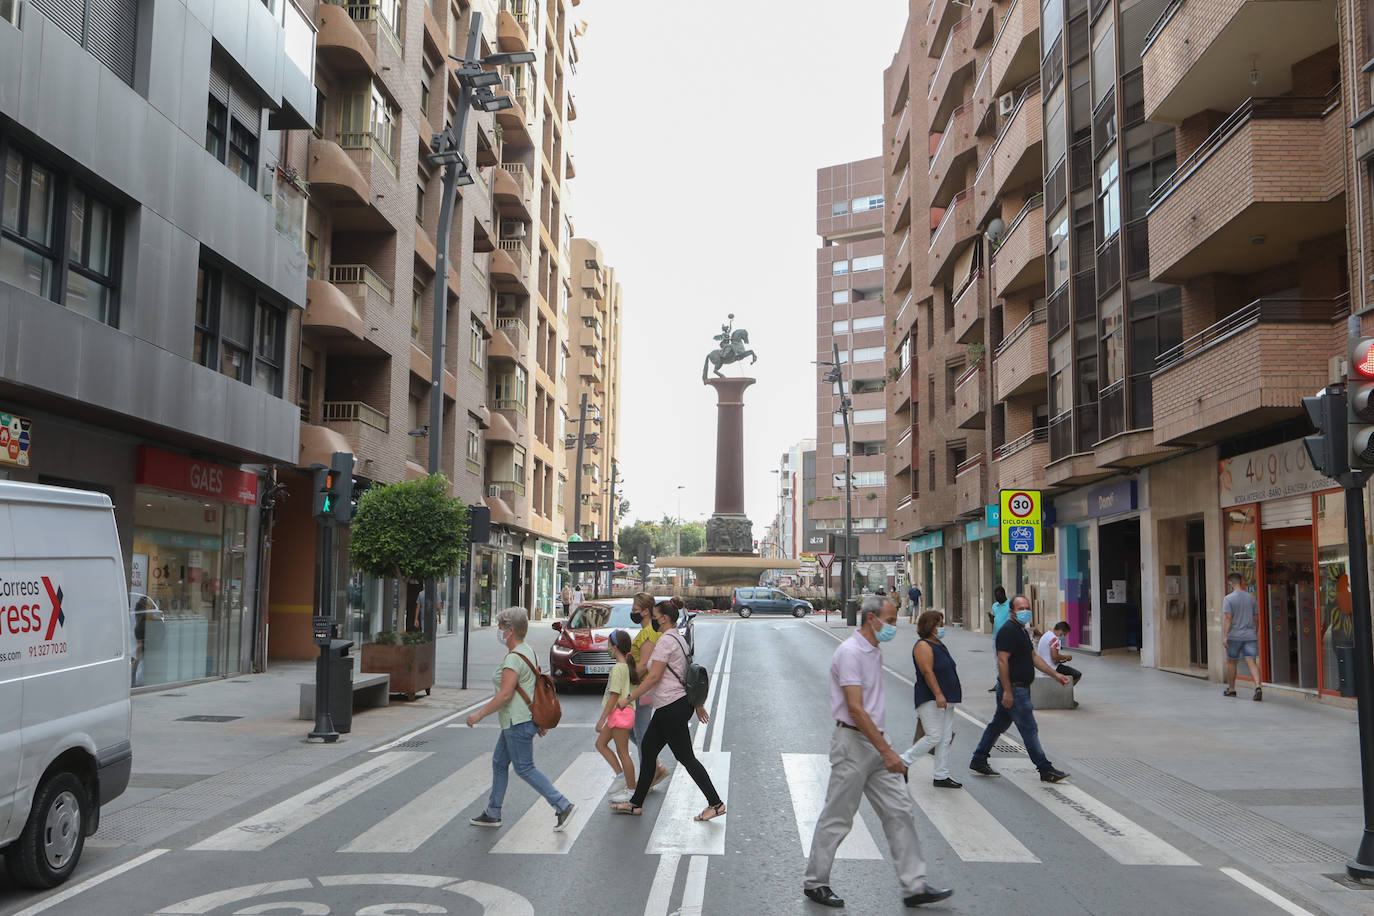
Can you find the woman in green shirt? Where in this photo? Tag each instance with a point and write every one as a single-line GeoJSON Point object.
{"type": "Point", "coordinates": [616, 723]}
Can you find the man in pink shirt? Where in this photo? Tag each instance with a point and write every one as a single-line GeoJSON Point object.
{"type": "Point", "coordinates": [863, 763]}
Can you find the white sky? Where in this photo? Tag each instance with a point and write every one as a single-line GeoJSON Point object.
{"type": "Point", "coordinates": [699, 131]}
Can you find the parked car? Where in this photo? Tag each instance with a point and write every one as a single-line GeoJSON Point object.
{"type": "Point", "coordinates": [748, 601]}
{"type": "Point", "coordinates": [579, 655]}
{"type": "Point", "coordinates": [65, 714]}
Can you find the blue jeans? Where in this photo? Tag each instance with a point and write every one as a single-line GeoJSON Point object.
{"type": "Point", "coordinates": [516, 745]}
{"type": "Point", "coordinates": [1023, 714]}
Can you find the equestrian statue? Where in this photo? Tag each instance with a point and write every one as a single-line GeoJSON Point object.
{"type": "Point", "coordinates": [734, 346]}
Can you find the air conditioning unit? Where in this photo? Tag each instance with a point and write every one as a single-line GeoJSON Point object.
{"type": "Point", "coordinates": [512, 229]}
{"type": "Point", "coordinates": [493, 492]}
{"type": "Point", "coordinates": [1006, 105]}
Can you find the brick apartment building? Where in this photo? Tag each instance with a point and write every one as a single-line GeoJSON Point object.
{"type": "Point", "coordinates": [1138, 219]}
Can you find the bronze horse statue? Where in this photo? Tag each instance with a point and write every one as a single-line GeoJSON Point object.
{"type": "Point", "coordinates": [734, 347]}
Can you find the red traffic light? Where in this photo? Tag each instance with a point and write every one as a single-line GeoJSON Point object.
{"type": "Point", "coordinates": [1361, 357]}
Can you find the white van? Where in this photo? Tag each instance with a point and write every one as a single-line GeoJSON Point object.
{"type": "Point", "coordinates": [65, 716]}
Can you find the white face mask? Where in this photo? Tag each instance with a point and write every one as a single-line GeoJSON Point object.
{"type": "Point", "coordinates": [501, 636]}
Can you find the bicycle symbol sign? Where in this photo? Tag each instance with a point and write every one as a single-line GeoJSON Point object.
{"type": "Point", "coordinates": [1020, 520]}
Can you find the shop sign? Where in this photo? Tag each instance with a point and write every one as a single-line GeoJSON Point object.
{"type": "Point", "coordinates": [548, 548]}
{"type": "Point", "coordinates": [1100, 502]}
{"type": "Point", "coordinates": [170, 471]}
{"type": "Point", "coordinates": [16, 436]}
{"type": "Point", "coordinates": [992, 516]}
{"type": "Point", "coordinates": [926, 542]}
{"type": "Point", "coordinates": [879, 557]}
{"type": "Point", "coordinates": [1269, 473]}
{"type": "Point", "coordinates": [1019, 512]}
{"type": "Point", "coordinates": [977, 531]}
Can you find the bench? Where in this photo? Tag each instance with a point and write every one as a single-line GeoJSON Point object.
{"type": "Point", "coordinates": [1047, 694]}
{"type": "Point", "coordinates": [369, 691]}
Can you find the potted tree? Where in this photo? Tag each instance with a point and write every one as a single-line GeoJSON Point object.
{"type": "Point", "coordinates": [411, 531]}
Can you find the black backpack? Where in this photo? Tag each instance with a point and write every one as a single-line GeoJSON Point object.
{"type": "Point", "coordinates": [697, 683]}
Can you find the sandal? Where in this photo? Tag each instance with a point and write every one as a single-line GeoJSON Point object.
{"type": "Point", "coordinates": [711, 813]}
{"type": "Point", "coordinates": [626, 808]}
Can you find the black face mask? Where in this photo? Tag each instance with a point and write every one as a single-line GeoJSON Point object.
{"type": "Point", "coordinates": [636, 617]}
{"type": "Point", "coordinates": [658, 625]}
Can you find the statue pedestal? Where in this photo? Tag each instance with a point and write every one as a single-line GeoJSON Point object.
{"type": "Point", "coordinates": [729, 531]}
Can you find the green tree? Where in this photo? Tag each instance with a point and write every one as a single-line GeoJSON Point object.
{"type": "Point", "coordinates": [640, 537]}
{"type": "Point", "coordinates": [412, 530]}
{"type": "Point", "coordinates": [693, 538]}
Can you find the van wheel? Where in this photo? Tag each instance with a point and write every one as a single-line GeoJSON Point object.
{"type": "Point", "coordinates": [799, 611]}
{"type": "Point", "coordinates": [745, 612]}
{"type": "Point", "coordinates": [47, 851]}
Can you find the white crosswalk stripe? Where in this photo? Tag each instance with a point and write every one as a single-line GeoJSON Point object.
{"type": "Point", "coordinates": [674, 830]}
{"type": "Point", "coordinates": [970, 829]}
{"type": "Point", "coordinates": [408, 827]}
{"type": "Point", "coordinates": [585, 784]}
{"type": "Point", "coordinates": [807, 778]}
{"type": "Point", "coordinates": [281, 820]}
{"type": "Point", "coordinates": [1115, 834]}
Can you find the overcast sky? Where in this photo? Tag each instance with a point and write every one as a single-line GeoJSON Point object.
{"type": "Point", "coordinates": [699, 131]}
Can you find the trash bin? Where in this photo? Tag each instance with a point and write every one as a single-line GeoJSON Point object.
{"type": "Point", "coordinates": [852, 607]}
{"type": "Point", "coordinates": [341, 685]}
{"type": "Point", "coordinates": [1345, 669]}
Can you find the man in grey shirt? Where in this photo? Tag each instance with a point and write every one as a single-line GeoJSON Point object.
{"type": "Point", "coordinates": [1241, 634]}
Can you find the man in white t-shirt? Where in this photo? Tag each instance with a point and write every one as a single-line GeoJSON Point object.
{"type": "Point", "coordinates": [1048, 649]}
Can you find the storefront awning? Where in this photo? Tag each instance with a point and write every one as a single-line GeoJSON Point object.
{"type": "Point", "coordinates": [319, 443]}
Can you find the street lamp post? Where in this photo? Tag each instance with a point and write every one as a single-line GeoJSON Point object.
{"type": "Point", "coordinates": [836, 376]}
{"type": "Point", "coordinates": [476, 77]}
{"type": "Point", "coordinates": [581, 439]}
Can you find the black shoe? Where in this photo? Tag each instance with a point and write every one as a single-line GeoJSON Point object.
{"type": "Point", "coordinates": [824, 896]}
{"type": "Point", "coordinates": [561, 820]}
{"type": "Point", "coordinates": [1053, 775]}
{"type": "Point", "coordinates": [929, 895]}
{"type": "Point", "coordinates": [484, 820]}
{"type": "Point", "coordinates": [947, 783]}
{"type": "Point", "coordinates": [992, 690]}
{"type": "Point", "coordinates": [1228, 692]}
{"type": "Point", "coordinates": [982, 769]}
{"type": "Point", "coordinates": [1259, 694]}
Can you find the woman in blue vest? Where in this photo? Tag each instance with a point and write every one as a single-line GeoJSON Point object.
{"type": "Point", "coordinates": [937, 692]}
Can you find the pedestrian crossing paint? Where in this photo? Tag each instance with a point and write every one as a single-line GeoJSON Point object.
{"type": "Point", "coordinates": [971, 830]}
{"type": "Point", "coordinates": [1110, 831]}
{"type": "Point", "coordinates": [585, 784]}
{"type": "Point", "coordinates": [807, 777]}
{"type": "Point", "coordinates": [674, 830]}
{"type": "Point", "coordinates": [408, 827]}
{"type": "Point", "coordinates": [281, 820]}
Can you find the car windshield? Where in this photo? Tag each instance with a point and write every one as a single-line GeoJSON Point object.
{"type": "Point", "coordinates": [591, 615]}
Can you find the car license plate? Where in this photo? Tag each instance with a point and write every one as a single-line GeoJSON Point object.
{"type": "Point", "coordinates": [596, 669]}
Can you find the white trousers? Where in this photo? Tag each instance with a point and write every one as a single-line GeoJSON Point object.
{"type": "Point", "coordinates": [939, 726]}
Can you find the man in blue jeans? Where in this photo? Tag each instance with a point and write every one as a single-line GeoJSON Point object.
{"type": "Point", "coordinates": [1016, 664]}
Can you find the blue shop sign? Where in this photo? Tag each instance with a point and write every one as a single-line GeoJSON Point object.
{"type": "Point", "coordinates": [977, 531]}
{"type": "Point", "coordinates": [992, 515]}
{"type": "Point", "coordinates": [1101, 502]}
{"type": "Point", "coordinates": [927, 542]}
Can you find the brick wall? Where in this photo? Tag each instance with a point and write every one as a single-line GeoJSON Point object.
{"type": "Point", "coordinates": [1188, 33]}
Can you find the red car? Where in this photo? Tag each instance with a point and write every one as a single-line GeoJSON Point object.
{"type": "Point", "coordinates": [579, 655]}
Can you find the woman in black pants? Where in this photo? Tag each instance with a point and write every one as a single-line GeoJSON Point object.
{"type": "Point", "coordinates": [666, 687]}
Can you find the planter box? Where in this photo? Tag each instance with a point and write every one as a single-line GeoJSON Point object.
{"type": "Point", "coordinates": [411, 667]}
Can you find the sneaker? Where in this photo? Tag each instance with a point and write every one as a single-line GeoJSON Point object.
{"type": "Point", "coordinates": [484, 820]}
{"type": "Point", "coordinates": [982, 768]}
{"type": "Point", "coordinates": [946, 783]}
{"type": "Point", "coordinates": [1053, 775]}
{"type": "Point", "coordinates": [1259, 694]}
{"type": "Point", "coordinates": [561, 820]}
{"type": "Point", "coordinates": [623, 795]}
{"type": "Point", "coordinates": [1228, 692]}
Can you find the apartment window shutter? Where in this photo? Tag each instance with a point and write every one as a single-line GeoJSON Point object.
{"type": "Point", "coordinates": [70, 15]}
{"type": "Point", "coordinates": [246, 109]}
{"type": "Point", "coordinates": [112, 34]}
{"type": "Point", "coordinates": [219, 84]}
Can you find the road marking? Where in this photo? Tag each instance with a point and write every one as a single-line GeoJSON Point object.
{"type": "Point", "coordinates": [1282, 903]}
{"type": "Point", "coordinates": [661, 891]}
{"type": "Point", "coordinates": [433, 725]}
{"type": "Point", "coordinates": [267, 827]}
{"type": "Point", "coordinates": [406, 828]}
{"type": "Point", "coordinates": [971, 830]}
{"type": "Point", "coordinates": [674, 830]}
{"type": "Point", "coordinates": [718, 717]}
{"type": "Point", "coordinates": [497, 725]}
{"type": "Point", "coordinates": [494, 900]}
{"type": "Point", "coordinates": [1110, 831]}
{"type": "Point", "coordinates": [807, 777]}
{"type": "Point", "coordinates": [207, 902]}
{"type": "Point", "coordinates": [584, 783]}
{"type": "Point", "coordinates": [68, 893]}
{"type": "Point", "coordinates": [694, 893]}
{"type": "Point", "coordinates": [714, 693]}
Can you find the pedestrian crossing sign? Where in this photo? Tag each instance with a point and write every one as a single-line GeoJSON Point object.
{"type": "Point", "coordinates": [1020, 521]}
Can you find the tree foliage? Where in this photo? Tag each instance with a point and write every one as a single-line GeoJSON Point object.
{"type": "Point", "coordinates": [411, 530]}
{"type": "Point", "coordinates": [660, 538]}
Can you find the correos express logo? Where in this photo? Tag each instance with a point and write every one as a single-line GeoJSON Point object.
{"type": "Point", "coordinates": [30, 614]}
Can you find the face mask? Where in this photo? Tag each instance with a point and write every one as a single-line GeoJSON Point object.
{"type": "Point", "coordinates": [636, 617]}
{"type": "Point", "coordinates": [658, 625]}
{"type": "Point", "coordinates": [501, 636]}
{"type": "Point", "coordinates": [940, 633]}
{"type": "Point", "coordinates": [888, 631]}
{"type": "Point", "coordinates": [1023, 617]}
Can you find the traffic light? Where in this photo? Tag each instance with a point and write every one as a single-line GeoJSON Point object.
{"type": "Point", "coordinates": [1326, 449]}
{"type": "Point", "coordinates": [1359, 398]}
{"type": "Point", "coordinates": [322, 501]}
{"type": "Point", "coordinates": [341, 487]}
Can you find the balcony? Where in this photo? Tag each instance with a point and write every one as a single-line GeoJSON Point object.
{"type": "Point", "coordinates": [500, 430]}
{"type": "Point", "coordinates": [510, 265]}
{"type": "Point", "coordinates": [971, 398]}
{"type": "Point", "coordinates": [901, 136]}
{"type": "Point", "coordinates": [1021, 462]}
{"type": "Point", "coordinates": [940, 19]}
{"type": "Point", "coordinates": [334, 177]}
{"type": "Point", "coordinates": [481, 234]}
{"type": "Point", "coordinates": [1248, 370]}
{"type": "Point", "coordinates": [512, 26]}
{"type": "Point", "coordinates": [514, 131]}
{"type": "Point", "coordinates": [511, 190]}
{"type": "Point", "coordinates": [514, 413]}
{"type": "Point", "coordinates": [1197, 55]}
{"type": "Point", "coordinates": [365, 427]}
{"type": "Point", "coordinates": [970, 308]}
{"type": "Point", "coordinates": [1072, 436]}
{"type": "Point", "coordinates": [955, 67]}
{"type": "Point", "coordinates": [341, 44]}
{"type": "Point", "coordinates": [369, 293]}
{"type": "Point", "coordinates": [1019, 261]}
{"type": "Point", "coordinates": [331, 313]}
{"type": "Point", "coordinates": [591, 337]}
{"type": "Point", "coordinates": [902, 451]}
{"type": "Point", "coordinates": [954, 230]}
{"type": "Point", "coordinates": [900, 269]}
{"type": "Point", "coordinates": [1021, 360]}
{"type": "Point", "coordinates": [1016, 154]}
{"type": "Point", "coordinates": [957, 146]}
{"type": "Point", "coordinates": [507, 344]}
{"type": "Point", "coordinates": [593, 283]}
{"type": "Point", "coordinates": [1015, 55]}
{"type": "Point", "coordinates": [971, 487]}
{"type": "Point", "coordinates": [369, 18]}
{"type": "Point", "coordinates": [1243, 201]}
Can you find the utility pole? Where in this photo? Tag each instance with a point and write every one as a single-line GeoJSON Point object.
{"type": "Point", "coordinates": [836, 377]}
{"type": "Point", "coordinates": [581, 446]}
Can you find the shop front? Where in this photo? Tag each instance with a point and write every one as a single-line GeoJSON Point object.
{"type": "Point", "coordinates": [927, 561]}
{"type": "Point", "coordinates": [1284, 534]}
{"type": "Point", "coordinates": [985, 568]}
{"type": "Point", "coordinates": [545, 579]}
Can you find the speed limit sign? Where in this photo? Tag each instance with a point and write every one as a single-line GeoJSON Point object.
{"type": "Point", "coordinates": [1020, 521]}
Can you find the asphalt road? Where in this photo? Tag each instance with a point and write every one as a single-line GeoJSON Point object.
{"type": "Point", "coordinates": [386, 831]}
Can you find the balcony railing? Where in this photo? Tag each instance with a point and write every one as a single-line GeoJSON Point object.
{"type": "Point", "coordinates": [906, 304]}
{"type": "Point", "coordinates": [945, 217]}
{"type": "Point", "coordinates": [359, 275]}
{"type": "Point", "coordinates": [513, 325]}
{"type": "Point", "coordinates": [1160, 23]}
{"type": "Point", "coordinates": [949, 43]}
{"type": "Point", "coordinates": [1261, 311]}
{"type": "Point", "coordinates": [519, 251]}
{"type": "Point", "coordinates": [514, 404]}
{"type": "Point", "coordinates": [1035, 201]}
{"type": "Point", "coordinates": [1293, 108]}
{"type": "Point", "coordinates": [368, 140]}
{"type": "Point", "coordinates": [354, 412]}
{"type": "Point", "coordinates": [968, 465]}
{"type": "Point", "coordinates": [1035, 317]}
{"type": "Point", "coordinates": [517, 10]}
{"type": "Point", "coordinates": [519, 173]}
{"type": "Point", "coordinates": [511, 486]}
{"type": "Point", "coordinates": [1020, 443]}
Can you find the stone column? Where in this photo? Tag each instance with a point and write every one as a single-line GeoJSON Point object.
{"type": "Point", "coordinates": [729, 530]}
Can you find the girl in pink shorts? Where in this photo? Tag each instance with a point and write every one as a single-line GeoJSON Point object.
{"type": "Point", "coordinates": [615, 723]}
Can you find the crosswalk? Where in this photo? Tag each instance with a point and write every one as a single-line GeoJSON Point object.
{"type": "Point", "coordinates": [967, 821]}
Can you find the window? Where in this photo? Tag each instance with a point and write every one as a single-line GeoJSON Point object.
{"type": "Point", "coordinates": [369, 120]}
{"type": "Point", "coordinates": [425, 90]}
{"type": "Point", "coordinates": [1057, 254]}
{"type": "Point", "coordinates": [871, 262]}
{"type": "Point", "coordinates": [416, 314]}
{"type": "Point", "coordinates": [839, 297]}
{"type": "Point", "coordinates": [420, 202]}
{"type": "Point", "coordinates": [862, 204]}
{"type": "Point", "coordinates": [1108, 196]}
{"type": "Point", "coordinates": [844, 357]}
{"type": "Point", "coordinates": [1054, 126]}
{"type": "Point", "coordinates": [839, 268]}
{"type": "Point", "coordinates": [319, 108]}
{"type": "Point", "coordinates": [476, 340]}
{"type": "Point", "coordinates": [312, 255]}
{"type": "Point", "coordinates": [839, 208]}
{"type": "Point", "coordinates": [868, 323]}
{"type": "Point", "coordinates": [474, 447]}
{"type": "Point", "coordinates": [1061, 350]}
{"type": "Point", "coordinates": [267, 356]}
{"type": "Point", "coordinates": [106, 28]}
{"type": "Point", "coordinates": [233, 117]}
{"type": "Point", "coordinates": [68, 255]}
{"type": "Point", "coordinates": [868, 354]}
{"type": "Point", "coordinates": [304, 393]}
{"type": "Point", "coordinates": [837, 449]}
{"type": "Point", "coordinates": [870, 478]}
{"type": "Point", "coordinates": [216, 127]}
{"type": "Point", "coordinates": [243, 152]}
{"type": "Point", "coordinates": [839, 327]}
{"type": "Point", "coordinates": [237, 333]}
{"type": "Point", "coordinates": [872, 415]}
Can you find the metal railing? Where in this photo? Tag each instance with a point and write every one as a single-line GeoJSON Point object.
{"type": "Point", "coordinates": [1033, 202]}
{"type": "Point", "coordinates": [1281, 108]}
{"type": "Point", "coordinates": [968, 374]}
{"type": "Point", "coordinates": [383, 12]}
{"type": "Point", "coordinates": [514, 404]}
{"type": "Point", "coordinates": [953, 205]}
{"type": "Point", "coordinates": [949, 45]}
{"type": "Point", "coordinates": [354, 412]}
{"type": "Point", "coordinates": [359, 275]}
{"type": "Point", "coordinates": [1261, 311]}
{"type": "Point", "coordinates": [969, 464]}
{"type": "Point", "coordinates": [367, 140]}
{"type": "Point", "coordinates": [1021, 443]}
{"type": "Point", "coordinates": [1036, 316]}
{"type": "Point", "coordinates": [1159, 25]}
{"type": "Point", "coordinates": [509, 486]}
{"type": "Point", "coordinates": [906, 303]}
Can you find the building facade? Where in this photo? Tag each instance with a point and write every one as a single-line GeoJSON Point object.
{"type": "Point", "coordinates": [1128, 288]}
{"type": "Point", "coordinates": [152, 276]}
{"type": "Point", "coordinates": [850, 316]}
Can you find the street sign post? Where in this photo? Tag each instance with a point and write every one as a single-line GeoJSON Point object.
{"type": "Point", "coordinates": [825, 559]}
{"type": "Point", "coordinates": [1020, 519]}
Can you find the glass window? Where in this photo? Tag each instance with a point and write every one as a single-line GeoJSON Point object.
{"type": "Point", "coordinates": [1061, 352]}
{"type": "Point", "coordinates": [1051, 21]}
{"type": "Point", "coordinates": [1113, 340]}
{"type": "Point", "coordinates": [1054, 133]}
{"type": "Point", "coordinates": [267, 360]}
{"type": "Point", "coordinates": [872, 415]}
{"type": "Point", "coordinates": [90, 257]}
{"type": "Point", "coordinates": [870, 478]}
{"type": "Point", "coordinates": [870, 262]}
{"type": "Point", "coordinates": [1108, 196]}
{"type": "Point", "coordinates": [839, 327]}
{"type": "Point", "coordinates": [839, 297]}
{"type": "Point", "coordinates": [1333, 584]}
{"type": "Point", "coordinates": [839, 268]}
{"type": "Point", "coordinates": [27, 258]}
{"type": "Point", "coordinates": [837, 449]}
{"type": "Point", "coordinates": [207, 317]}
{"type": "Point", "coordinates": [863, 204]}
{"type": "Point", "coordinates": [474, 447]}
{"type": "Point", "coordinates": [839, 208]}
{"type": "Point", "coordinates": [868, 323]}
{"type": "Point", "coordinates": [868, 354]}
{"type": "Point", "coordinates": [312, 255]}
{"type": "Point", "coordinates": [1057, 254]}
{"type": "Point", "coordinates": [216, 128]}
{"type": "Point", "coordinates": [475, 344]}
{"type": "Point", "coordinates": [1241, 535]}
{"type": "Point", "coordinates": [1104, 59]}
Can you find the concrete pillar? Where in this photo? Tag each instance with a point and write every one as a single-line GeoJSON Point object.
{"type": "Point", "coordinates": [729, 443]}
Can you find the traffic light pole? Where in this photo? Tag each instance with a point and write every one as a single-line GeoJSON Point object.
{"type": "Point", "coordinates": [324, 721]}
{"type": "Point", "coordinates": [1362, 866]}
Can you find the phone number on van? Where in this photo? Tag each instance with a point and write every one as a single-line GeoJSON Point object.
{"type": "Point", "coordinates": [48, 648]}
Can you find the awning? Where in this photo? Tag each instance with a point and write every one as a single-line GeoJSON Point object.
{"type": "Point", "coordinates": [963, 267]}
{"type": "Point", "coordinates": [319, 443]}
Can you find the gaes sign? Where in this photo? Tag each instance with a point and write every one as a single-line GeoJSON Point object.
{"type": "Point", "coordinates": [1020, 521]}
